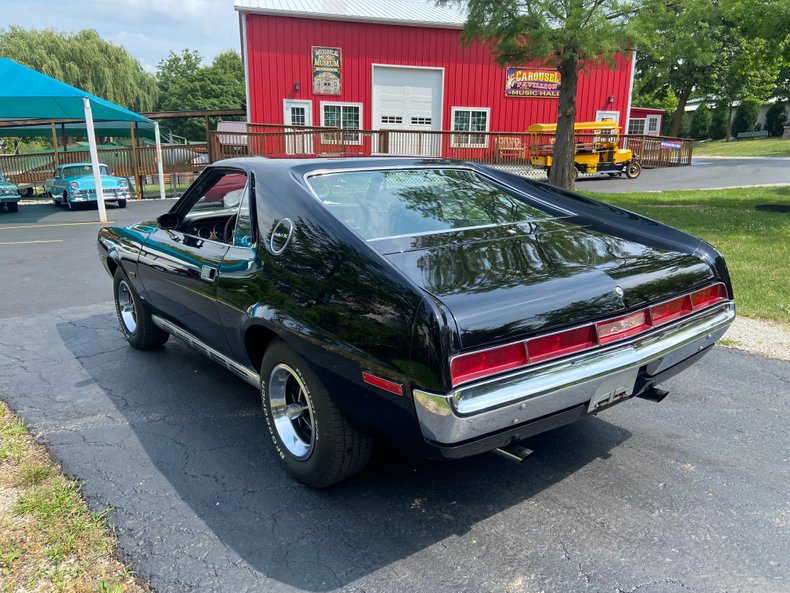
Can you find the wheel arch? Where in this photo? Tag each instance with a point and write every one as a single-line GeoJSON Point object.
{"type": "Point", "coordinates": [257, 338]}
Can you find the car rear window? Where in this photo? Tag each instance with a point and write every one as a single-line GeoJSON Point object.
{"type": "Point", "coordinates": [393, 203]}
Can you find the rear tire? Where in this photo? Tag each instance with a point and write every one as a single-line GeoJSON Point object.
{"type": "Point", "coordinates": [13, 207]}
{"type": "Point", "coordinates": [134, 316]}
{"type": "Point", "coordinates": [121, 203]}
{"type": "Point", "coordinates": [314, 440]}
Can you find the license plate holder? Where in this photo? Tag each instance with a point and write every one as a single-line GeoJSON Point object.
{"type": "Point", "coordinates": [614, 388]}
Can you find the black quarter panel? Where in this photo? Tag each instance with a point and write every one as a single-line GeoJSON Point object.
{"type": "Point", "coordinates": [337, 302]}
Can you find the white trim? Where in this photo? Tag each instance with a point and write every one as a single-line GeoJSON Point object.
{"type": "Point", "coordinates": [454, 142]}
{"type": "Point", "coordinates": [630, 92]}
{"type": "Point", "coordinates": [342, 104]}
{"type": "Point", "coordinates": [654, 117]}
{"type": "Point", "coordinates": [245, 59]}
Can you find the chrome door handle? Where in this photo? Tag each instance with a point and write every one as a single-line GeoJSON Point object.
{"type": "Point", "coordinates": [208, 273]}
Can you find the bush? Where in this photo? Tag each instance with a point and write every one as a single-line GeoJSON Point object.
{"type": "Point", "coordinates": [718, 122]}
{"type": "Point", "coordinates": [775, 119]}
{"type": "Point", "coordinates": [745, 117]}
{"type": "Point", "coordinates": [700, 123]}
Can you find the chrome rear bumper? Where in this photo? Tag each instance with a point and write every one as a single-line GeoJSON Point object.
{"type": "Point", "coordinates": [597, 377]}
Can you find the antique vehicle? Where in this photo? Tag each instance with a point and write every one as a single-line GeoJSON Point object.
{"type": "Point", "coordinates": [9, 194]}
{"type": "Point", "coordinates": [73, 184]}
{"type": "Point", "coordinates": [597, 149]}
{"type": "Point", "coordinates": [445, 306]}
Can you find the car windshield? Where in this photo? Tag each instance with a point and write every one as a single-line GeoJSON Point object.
{"type": "Point", "coordinates": [384, 204]}
{"type": "Point", "coordinates": [80, 170]}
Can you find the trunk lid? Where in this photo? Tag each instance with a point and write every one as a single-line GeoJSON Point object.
{"type": "Point", "coordinates": [511, 281]}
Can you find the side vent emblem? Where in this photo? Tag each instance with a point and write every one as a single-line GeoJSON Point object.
{"type": "Point", "coordinates": [281, 235]}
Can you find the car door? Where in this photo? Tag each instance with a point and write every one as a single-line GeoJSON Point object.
{"type": "Point", "coordinates": [179, 266]}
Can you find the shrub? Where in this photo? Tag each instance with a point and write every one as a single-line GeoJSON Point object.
{"type": "Point", "coordinates": [700, 123]}
{"type": "Point", "coordinates": [745, 117]}
{"type": "Point", "coordinates": [775, 119]}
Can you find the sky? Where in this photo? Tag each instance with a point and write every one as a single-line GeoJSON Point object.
{"type": "Point", "coordinates": [148, 29]}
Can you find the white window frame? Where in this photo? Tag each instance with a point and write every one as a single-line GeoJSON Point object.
{"type": "Point", "coordinates": [635, 119]}
{"type": "Point", "coordinates": [327, 138]}
{"type": "Point", "coordinates": [653, 118]}
{"type": "Point", "coordinates": [455, 141]}
{"type": "Point", "coordinates": [602, 115]}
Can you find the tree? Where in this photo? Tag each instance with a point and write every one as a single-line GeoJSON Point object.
{"type": "Point", "coordinates": [700, 123]}
{"type": "Point", "coordinates": [185, 84]}
{"type": "Point", "coordinates": [719, 121]}
{"type": "Point", "coordinates": [83, 60]}
{"type": "Point", "coordinates": [678, 46]}
{"type": "Point", "coordinates": [565, 35]}
{"type": "Point", "coordinates": [726, 49]}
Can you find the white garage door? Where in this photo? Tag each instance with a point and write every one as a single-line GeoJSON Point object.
{"type": "Point", "coordinates": [408, 99]}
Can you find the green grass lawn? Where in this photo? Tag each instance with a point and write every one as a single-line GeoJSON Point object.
{"type": "Point", "coordinates": [756, 147]}
{"type": "Point", "coordinates": [755, 244]}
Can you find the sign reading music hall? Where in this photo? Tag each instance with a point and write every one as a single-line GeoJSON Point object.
{"type": "Point", "coordinates": [527, 82]}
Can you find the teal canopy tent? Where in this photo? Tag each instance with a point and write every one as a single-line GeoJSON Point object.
{"type": "Point", "coordinates": [28, 95]}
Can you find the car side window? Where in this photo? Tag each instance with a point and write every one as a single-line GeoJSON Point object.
{"type": "Point", "coordinates": [214, 215]}
{"type": "Point", "coordinates": [242, 236]}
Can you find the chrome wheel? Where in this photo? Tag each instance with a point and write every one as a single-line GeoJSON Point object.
{"type": "Point", "coordinates": [126, 307]}
{"type": "Point", "coordinates": [292, 411]}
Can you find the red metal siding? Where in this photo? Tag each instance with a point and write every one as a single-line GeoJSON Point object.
{"type": "Point", "coordinates": [642, 112]}
{"type": "Point", "coordinates": [278, 53]}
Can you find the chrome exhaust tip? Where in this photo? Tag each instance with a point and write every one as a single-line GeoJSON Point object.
{"type": "Point", "coordinates": [514, 452]}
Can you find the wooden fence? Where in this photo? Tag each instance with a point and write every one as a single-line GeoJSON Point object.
{"type": "Point", "coordinates": [511, 150]}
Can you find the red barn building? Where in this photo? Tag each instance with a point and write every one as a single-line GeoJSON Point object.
{"type": "Point", "coordinates": [391, 64]}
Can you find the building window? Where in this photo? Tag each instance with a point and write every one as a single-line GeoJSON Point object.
{"type": "Point", "coordinates": [636, 126]}
{"type": "Point", "coordinates": [345, 116]}
{"type": "Point", "coordinates": [467, 119]}
{"type": "Point", "coordinates": [652, 124]}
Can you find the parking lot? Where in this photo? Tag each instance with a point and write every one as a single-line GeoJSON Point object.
{"type": "Point", "coordinates": [687, 495]}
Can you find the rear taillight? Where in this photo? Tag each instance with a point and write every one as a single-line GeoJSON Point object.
{"type": "Point", "coordinates": [670, 310]}
{"type": "Point", "coordinates": [469, 367]}
{"type": "Point", "coordinates": [477, 365]}
{"type": "Point", "coordinates": [708, 296]}
{"type": "Point", "coordinates": [623, 327]}
{"type": "Point", "coordinates": [561, 343]}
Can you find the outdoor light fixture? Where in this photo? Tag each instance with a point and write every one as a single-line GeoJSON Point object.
{"type": "Point", "coordinates": [610, 98]}
{"type": "Point", "coordinates": [297, 86]}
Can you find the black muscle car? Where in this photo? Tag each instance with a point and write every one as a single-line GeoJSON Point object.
{"type": "Point", "coordinates": [446, 306]}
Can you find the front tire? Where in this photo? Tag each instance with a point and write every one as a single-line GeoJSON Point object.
{"type": "Point", "coordinates": [632, 170]}
{"type": "Point", "coordinates": [13, 207]}
{"type": "Point", "coordinates": [121, 203]}
{"type": "Point", "coordinates": [314, 440]}
{"type": "Point", "coordinates": [134, 316]}
{"type": "Point", "coordinates": [67, 203]}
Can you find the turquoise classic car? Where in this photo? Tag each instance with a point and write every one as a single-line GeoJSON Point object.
{"type": "Point", "coordinates": [9, 194]}
{"type": "Point", "coordinates": [73, 184]}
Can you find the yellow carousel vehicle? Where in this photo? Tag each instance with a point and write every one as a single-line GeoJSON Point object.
{"type": "Point", "coordinates": [597, 149]}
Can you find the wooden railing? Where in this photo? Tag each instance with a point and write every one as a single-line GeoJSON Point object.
{"type": "Point", "coordinates": [507, 149]}
{"type": "Point", "coordinates": [132, 162]}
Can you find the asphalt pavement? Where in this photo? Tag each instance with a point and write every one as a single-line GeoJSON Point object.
{"type": "Point", "coordinates": [704, 173]}
{"type": "Point", "coordinates": [687, 495]}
